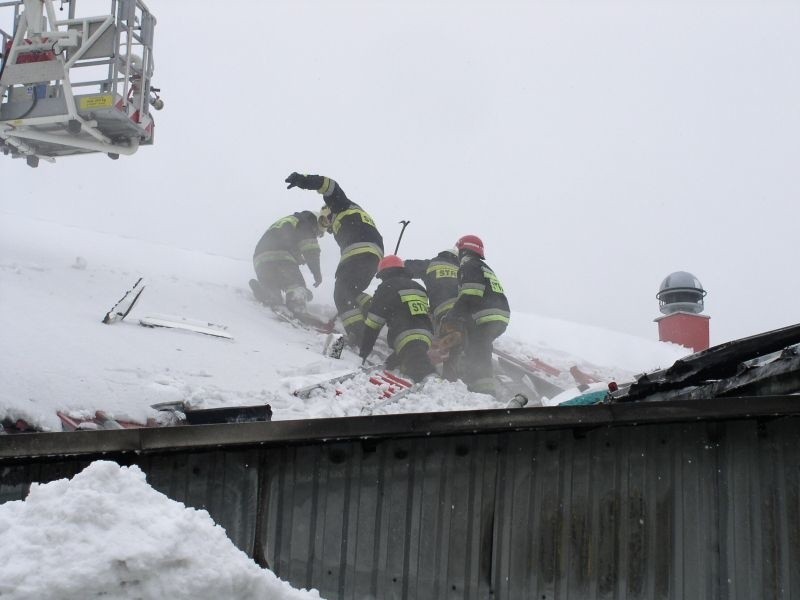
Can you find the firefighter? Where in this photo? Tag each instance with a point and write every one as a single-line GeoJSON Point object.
{"type": "Point", "coordinates": [287, 244]}
{"type": "Point", "coordinates": [481, 310]}
{"type": "Point", "coordinates": [439, 275]}
{"type": "Point", "coordinates": [402, 304]}
{"type": "Point", "coordinates": [361, 247]}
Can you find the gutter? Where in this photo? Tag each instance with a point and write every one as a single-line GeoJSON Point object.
{"type": "Point", "coordinates": [314, 431]}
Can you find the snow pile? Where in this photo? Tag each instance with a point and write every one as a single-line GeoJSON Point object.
{"type": "Point", "coordinates": [358, 396]}
{"type": "Point", "coordinates": [107, 533]}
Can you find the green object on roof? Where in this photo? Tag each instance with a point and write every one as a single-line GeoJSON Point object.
{"type": "Point", "coordinates": [586, 399]}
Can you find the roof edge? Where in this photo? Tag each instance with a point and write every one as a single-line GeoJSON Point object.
{"type": "Point", "coordinates": [315, 431]}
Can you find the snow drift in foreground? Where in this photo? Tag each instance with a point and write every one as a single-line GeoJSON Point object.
{"type": "Point", "coordinates": [106, 532]}
{"type": "Point", "coordinates": [57, 282]}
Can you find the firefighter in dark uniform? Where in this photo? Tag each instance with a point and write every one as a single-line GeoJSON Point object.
{"type": "Point", "coordinates": [287, 244]}
{"type": "Point", "coordinates": [482, 309]}
{"type": "Point", "coordinates": [402, 304]}
{"type": "Point", "coordinates": [439, 275]}
{"type": "Point", "coordinates": [361, 247]}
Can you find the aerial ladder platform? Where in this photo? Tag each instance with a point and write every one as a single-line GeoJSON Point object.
{"type": "Point", "coordinates": [72, 85]}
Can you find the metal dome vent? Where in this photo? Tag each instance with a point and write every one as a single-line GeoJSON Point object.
{"type": "Point", "coordinates": [681, 292]}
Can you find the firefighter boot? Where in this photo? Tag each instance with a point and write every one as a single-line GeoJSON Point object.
{"type": "Point", "coordinates": [296, 299]}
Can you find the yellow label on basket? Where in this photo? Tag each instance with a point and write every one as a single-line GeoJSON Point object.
{"type": "Point", "coordinates": [95, 102]}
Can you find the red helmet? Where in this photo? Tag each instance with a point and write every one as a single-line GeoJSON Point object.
{"type": "Point", "coordinates": [389, 262]}
{"type": "Point", "coordinates": [471, 242]}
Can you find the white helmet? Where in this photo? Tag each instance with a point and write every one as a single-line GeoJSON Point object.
{"type": "Point", "coordinates": [324, 220]}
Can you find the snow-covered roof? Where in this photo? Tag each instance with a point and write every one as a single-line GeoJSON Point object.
{"type": "Point", "coordinates": [57, 282]}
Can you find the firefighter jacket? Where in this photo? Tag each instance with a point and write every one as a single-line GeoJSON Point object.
{"type": "Point", "coordinates": [292, 239]}
{"type": "Point", "coordinates": [402, 304]}
{"type": "Point", "coordinates": [352, 228]}
{"type": "Point", "coordinates": [440, 277]}
{"type": "Point", "coordinates": [480, 294]}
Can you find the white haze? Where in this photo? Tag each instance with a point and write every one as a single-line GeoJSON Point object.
{"type": "Point", "coordinates": [595, 146]}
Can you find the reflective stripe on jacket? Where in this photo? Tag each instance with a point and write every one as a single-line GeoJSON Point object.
{"type": "Point", "coordinates": [291, 239]}
{"type": "Point", "coordinates": [350, 224]}
{"type": "Point", "coordinates": [402, 304]}
{"type": "Point", "coordinates": [480, 294]}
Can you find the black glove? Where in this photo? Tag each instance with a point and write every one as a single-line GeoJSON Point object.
{"type": "Point", "coordinates": [317, 281]}
{"type": "Point", "coordinates": [304, 182]}
{"type": "Point", "coordinates": [297, 180]}
{"type": "Point", "coordinates": [392, 361]}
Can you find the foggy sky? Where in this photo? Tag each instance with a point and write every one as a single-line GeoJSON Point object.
{"type": "Point", "coordinates": [595, 147]}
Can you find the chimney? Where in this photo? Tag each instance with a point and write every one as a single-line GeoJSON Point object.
{"type": "Point", "coordinates": [680, 298]}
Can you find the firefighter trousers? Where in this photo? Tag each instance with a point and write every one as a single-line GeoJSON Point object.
{"type": "Point", "coordinates": [476, 364]}
{"type": "Point", "coordinates": [412, 360]}
{"type": "Point", "coordinates": [352, 278]}
{"type": "Point", "coordinates": [281, 276]}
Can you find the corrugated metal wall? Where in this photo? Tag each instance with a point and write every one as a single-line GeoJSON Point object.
{"type": "Point", "coordinates": [706, 510]}
{"type": "Point", "coordinates": [679, 511]}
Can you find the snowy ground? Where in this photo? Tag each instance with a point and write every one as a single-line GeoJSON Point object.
{"type": "Point", "coordinates": [57, 282]}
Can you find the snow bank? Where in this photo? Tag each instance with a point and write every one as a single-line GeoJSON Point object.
{"type": "Point", "coordinates": [106, 532]}
{"type": "Point", "coordinates": [613, 354]}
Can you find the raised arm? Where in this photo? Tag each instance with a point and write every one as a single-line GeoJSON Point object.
{"type": "Point", "coordinates": [332, 193]}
